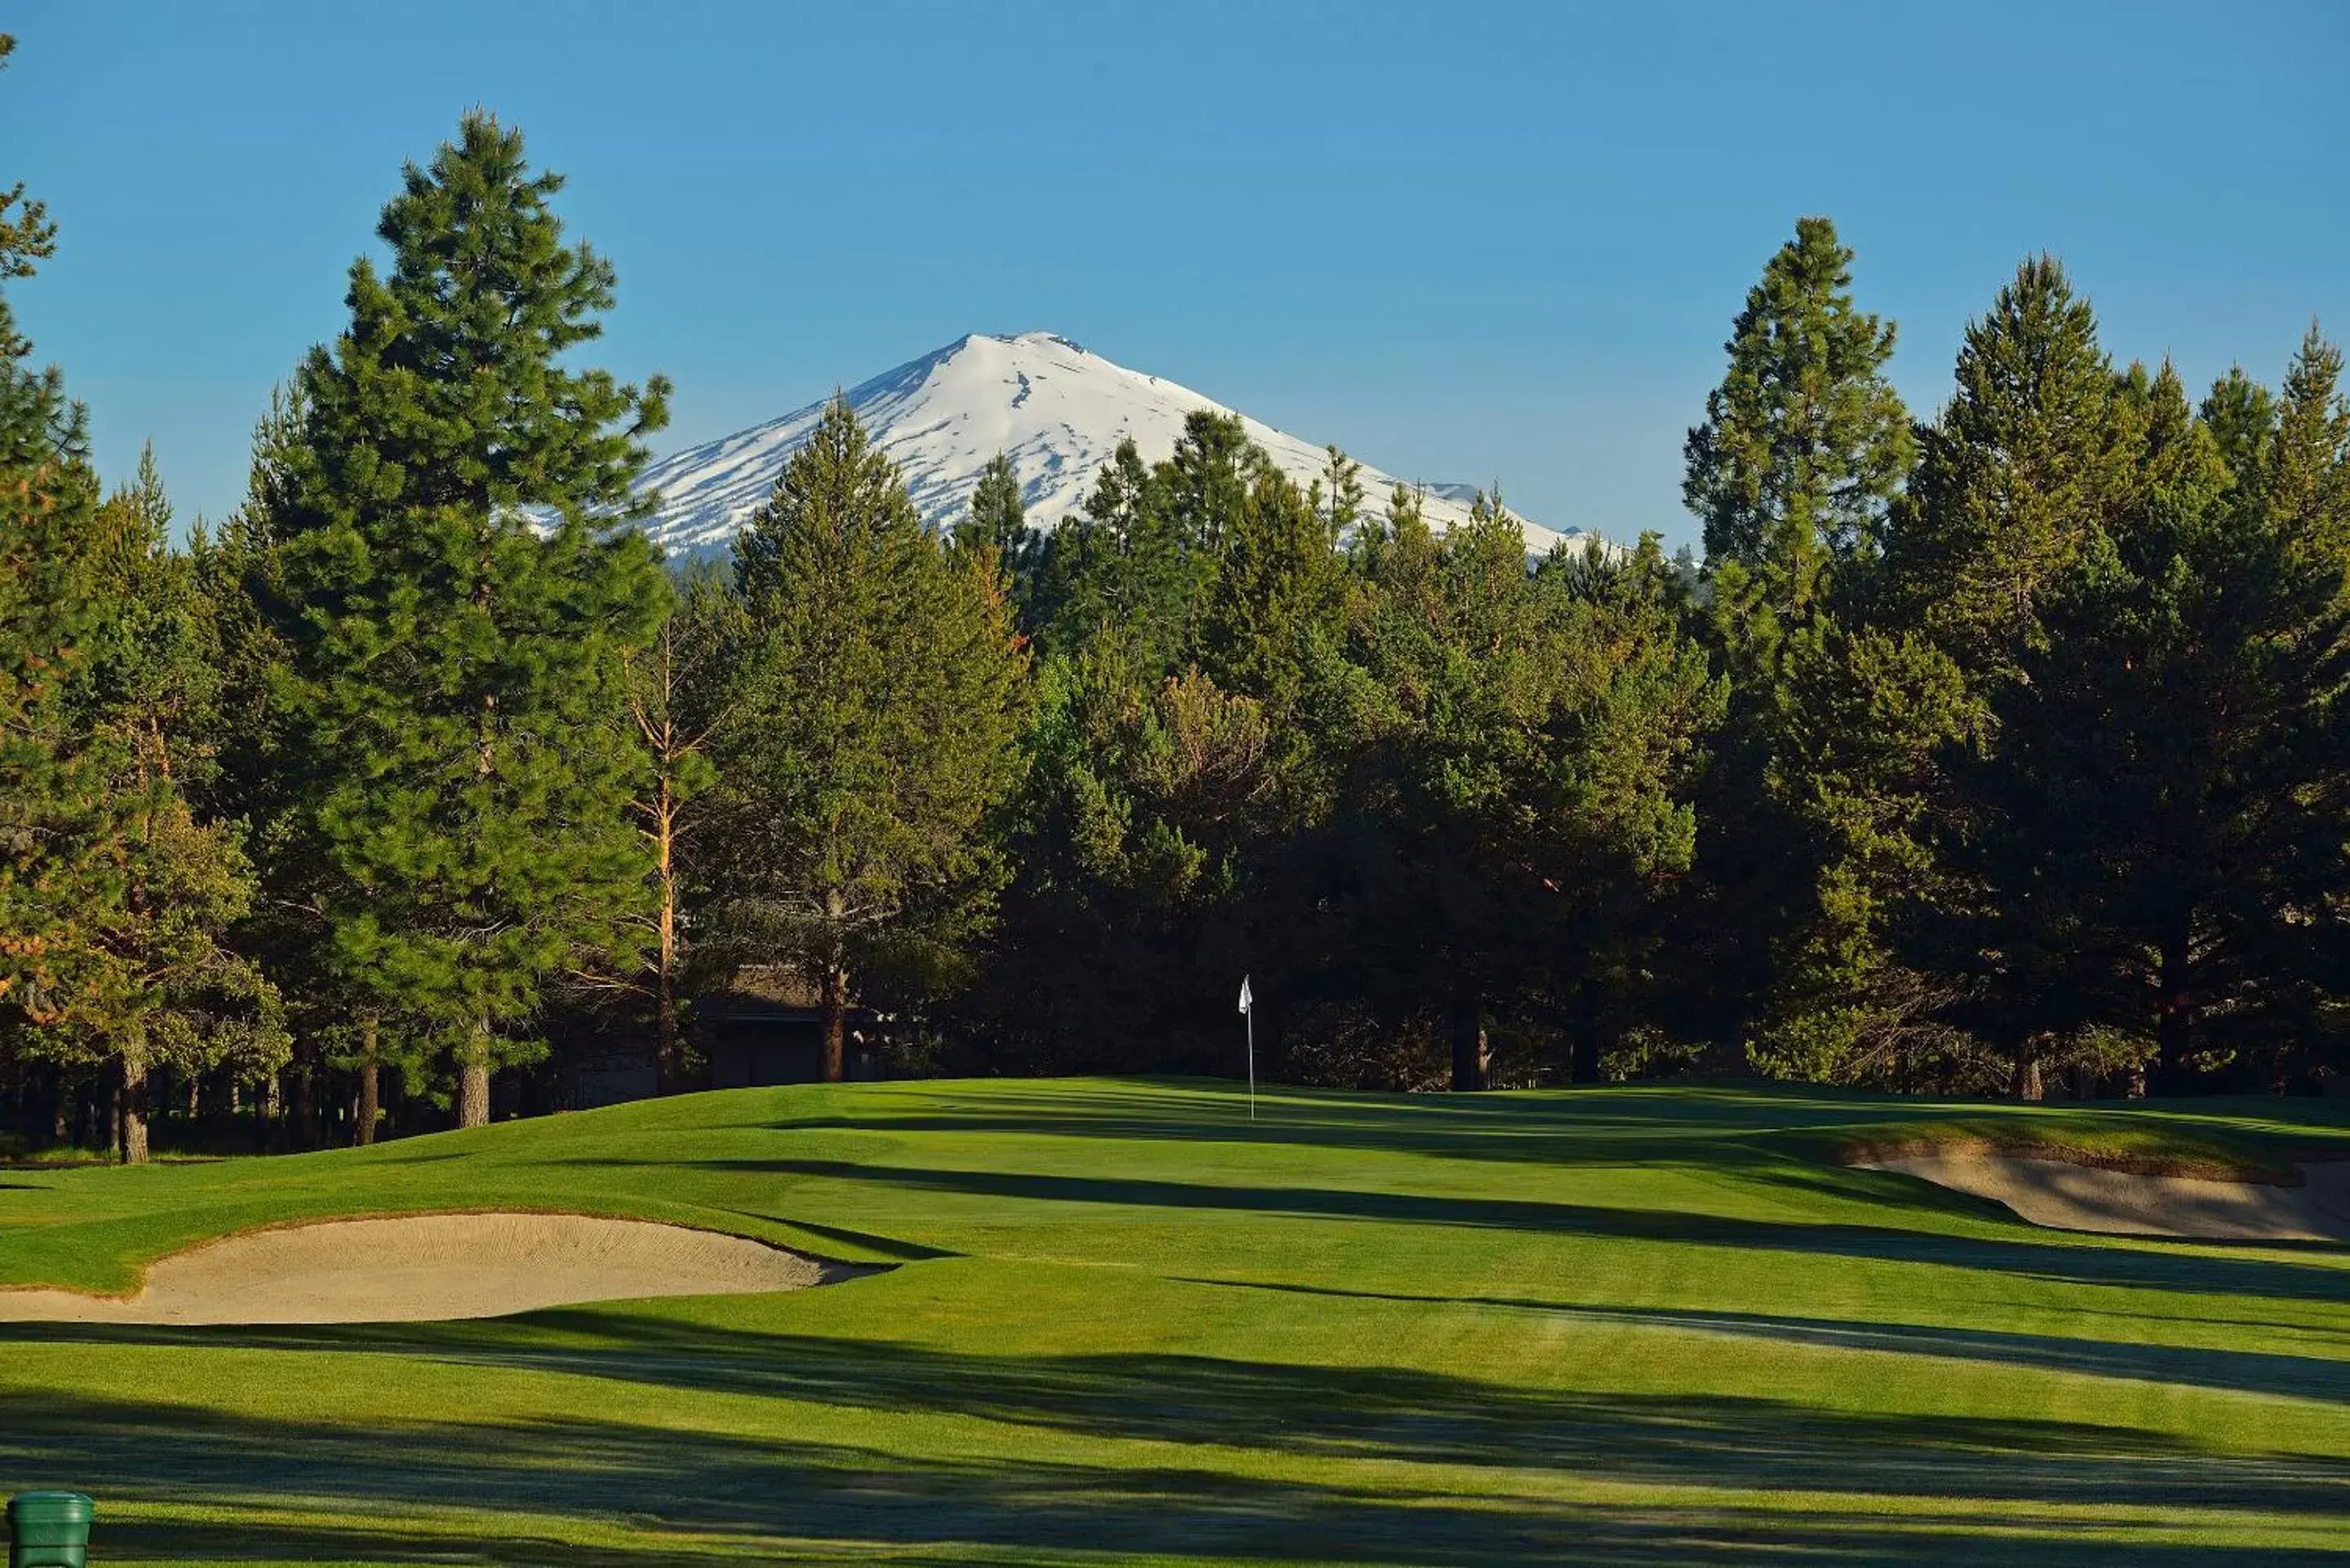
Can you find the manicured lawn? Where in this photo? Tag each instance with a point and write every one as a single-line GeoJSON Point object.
{"type": "Point", "coordinates": [1631, 1326]}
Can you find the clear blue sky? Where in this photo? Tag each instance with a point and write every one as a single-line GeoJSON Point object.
{"type": "Point", "coordinates": [1469, 242]}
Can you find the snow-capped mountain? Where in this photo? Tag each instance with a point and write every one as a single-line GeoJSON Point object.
{"type": "Point", "coordinates": [1057, 412]}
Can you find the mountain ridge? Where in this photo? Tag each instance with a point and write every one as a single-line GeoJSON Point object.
{"type": "Point", "coordinates": [1054, 408]}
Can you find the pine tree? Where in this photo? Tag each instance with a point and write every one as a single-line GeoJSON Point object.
{"type": "Point", "coordinates": [677, 700]}
{"type": "Point", "coordinates": [240, 571]}
{"type": "Point", "coordinates": [1206, 481]}
{"type": "Point", "coordinates": [1277, 591]}
{"type": "Point", "coordinates": [114, 898]}
{"type": "Point", "coordinates": [457, 679]}
{"type": "Point", "coordinates": [1858, 725]}
{"type": "Point", "coordinates": [2305, 486]}
{"type": "Point", "coordinates": [2240, 414]}
{"type": "Point", "coordinates": [28, 237]}
{"type": "Point", "coordinates": [997, 527]}
{"type": "Point", "coordinates": [158, 668]}
{"type": "Point", "coordinates": [1138, 806]}
{"type": "Point", "coordinates": [1336, 495]}
{"type": "Point", "coordinates": [876, 693]}
{"type": "Point", "coordinates": [1519, 781]}
{"type": "Point", "coordinates": [54, 785]}
{"type": "Point", "coordinates": [2029, 459]}
{"type": "Point", "coordinates": [1119, 572]}
{"type": "Point", "coordinates": [2154, 846]}
{"type": "Point", "coordinates": [1805, 443]}
{"type": "Point", "coordinates": [998, 518]}
{"type": "Point", "coordinates": [1802, 453]}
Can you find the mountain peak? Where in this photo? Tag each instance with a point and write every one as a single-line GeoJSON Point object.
{"type": "Point", "coordinates": [1055, 410]}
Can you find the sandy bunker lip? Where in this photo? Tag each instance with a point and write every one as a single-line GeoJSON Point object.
{"type": "Point", "coordinates": [429, 1267]}
{"type": "Point", "coordinates": [2067, 1197]}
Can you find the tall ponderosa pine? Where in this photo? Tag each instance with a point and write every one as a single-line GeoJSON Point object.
{"type": "Point", "coordinates": [463, 609]}
{"type": "Point", "coordinates": [875, 685]}
{"type": "Point", "coordinates": [2039, 452]}
{"type": "Point", "coordinates": [1803, 453]}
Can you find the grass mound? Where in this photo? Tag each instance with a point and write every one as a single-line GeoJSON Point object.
{"type": "Point", "coordinates": [1629, 1327]}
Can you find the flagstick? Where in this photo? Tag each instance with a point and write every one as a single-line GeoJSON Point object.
{"type": "Point", "coordinates": [1248, 1011]}
{"type": "Point", "coordinates": [1251, 1016]}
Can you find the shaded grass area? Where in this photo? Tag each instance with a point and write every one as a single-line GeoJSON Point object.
{"type": "Point", "coordinates": [1124, 1324]}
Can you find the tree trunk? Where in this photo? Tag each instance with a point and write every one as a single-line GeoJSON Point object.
{"type": "Point", "coordinates": [1583, 1065]}
{"type": "Point", "coordinates": [130, 1106]}
{"type": "Point", "coordinates": [665, 1063]}
{"type": "Point", "coordinates": [1471, 1058]}
{"type": "Point", "coordinates": [2026, 1083]}
{"type": "Point", "coordinates": [836, 1022]}
{"type": "Point", "coordinates": [307, 1109]}
{"type": "Point", "coordinates": [474, 1081]}
{"type": "Point", "coordinates": [2174, 1020]}
{"type": "Point", "coordinates": [363, 1127]}
{"type": "Point", "coordinates": [268, 1112]}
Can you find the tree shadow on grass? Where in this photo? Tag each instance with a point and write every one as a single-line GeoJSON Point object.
{"type": "Point", "coordinates": [1388, 1414]}
{"type": "Point", "coordinates": [696, 1496]}
{"type": "Point", "coordinates": [2057, 1258]}
{"type": "Point", "coordinates": [2235, 1371]}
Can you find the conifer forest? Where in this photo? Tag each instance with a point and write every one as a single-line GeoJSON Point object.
{"type": "Point", "coordinates": [1999, 747]}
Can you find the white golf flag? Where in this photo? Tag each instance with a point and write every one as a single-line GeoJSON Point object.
{"type": "Point", "coordinates": [1245, 999]}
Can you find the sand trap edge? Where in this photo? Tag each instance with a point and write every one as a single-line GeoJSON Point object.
{"type": "Point", "coordinates": [2063, 1195]}
{"type": "Point", "coordinates": [434, 1266]}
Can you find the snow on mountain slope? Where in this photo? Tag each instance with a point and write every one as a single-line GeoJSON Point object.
{"type": "Point", "coordinates": [1057, 412]}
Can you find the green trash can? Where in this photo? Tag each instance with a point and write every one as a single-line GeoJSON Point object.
{"type": "Point", "coordinates": [48, 1530]}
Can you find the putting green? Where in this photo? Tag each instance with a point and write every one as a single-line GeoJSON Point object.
{"type": "Point", "coordinates": [1630, 1326]}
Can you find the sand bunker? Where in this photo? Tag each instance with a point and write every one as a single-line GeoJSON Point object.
{"type": "Point", "coordinates": [2068, 1197]}
{"type": "Point", "coordinates": [427, 1267]}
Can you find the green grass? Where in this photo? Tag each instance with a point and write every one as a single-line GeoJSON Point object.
{"type": "Point", "coordinates": [1630, 1326]}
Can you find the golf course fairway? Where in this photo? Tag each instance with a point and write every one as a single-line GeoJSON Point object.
{"type": "Point", "coordinates": [1117, 1322]}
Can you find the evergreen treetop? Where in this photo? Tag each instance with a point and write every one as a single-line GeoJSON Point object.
{"type": "Point", "coordinates": [1805, 443]}
{"type": "Point", "coordinates": [2027, 462]}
